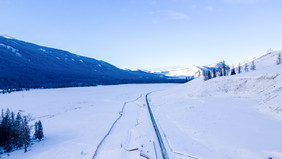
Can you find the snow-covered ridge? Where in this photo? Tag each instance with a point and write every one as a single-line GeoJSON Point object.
{"type": "Point", "coordinates": [195, 71]}
{"type": "Point", "coordinates": [6, 36]}
{"type": "Point", "coordinates": [16, 51]}
{"type": "Point", "coordinates": [267, 60]}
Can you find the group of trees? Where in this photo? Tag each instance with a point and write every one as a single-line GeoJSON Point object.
{"type": "Point", "coordinates": [221, 71]}
{"type": "Point", "coordinates": [15, 131]}
{"type": "Point", "coordinates": [38, 131]}
{"type": "Point", "coordinates": [224, 70]}
{"type": "Point", "coordinates": [189, 78]}
{"type": "Point", "coordinates": [240, 68]}
{"type": "Point", "coordinates": [10, 90]}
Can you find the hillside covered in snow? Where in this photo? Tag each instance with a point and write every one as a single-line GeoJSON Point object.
{"type": "Point", "coordinates": [237, 116]}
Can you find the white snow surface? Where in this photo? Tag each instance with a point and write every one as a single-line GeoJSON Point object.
{"type": "Point", "coordinates": [193, 71]}
{"type": "Point", "coordinates": [232, 117]}
{"type": "Point", "coordinates": [6, 36]}
{"type": "Point", "coordinates": [75, 120]}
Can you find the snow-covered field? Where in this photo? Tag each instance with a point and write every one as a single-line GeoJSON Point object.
{"type": "Point", "coordinates": [232, 117]}
{"type": "Point", "coordinates": [75, 120]}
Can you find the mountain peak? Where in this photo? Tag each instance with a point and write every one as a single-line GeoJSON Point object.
{"type": "Point", "coordinates": [6, 36]}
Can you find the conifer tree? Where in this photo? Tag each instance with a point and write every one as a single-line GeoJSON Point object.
{"type": "Point", "coordinates": [246, 68]}
{"type": "Point", "coordinates": [7, 132]}
{"type": "Point", "coordinates": [40, 131]}
{"type": "Point", "coordinates": [205, 75]}
{"type": "Point", "coordinates": [18, 126]}
{"type": "Point", "coordinates": [253, 66]}
{"type": "Point", "coordinates": [279, 59]}
{"type": "Point", "coordinates": [214, 73]}
{"type": "Point", "coordinates": [35, 135]}
{"type": "Point", "coordinates": [25, 135]}
{"type": "Point", "coordinates": [233, 71]}
{"type": "Point", "coordinates": [209, 75]}
{"type": "Point", "coordinates": [239, 68]}
{"type": "Point", "coordinates": [224, 69]}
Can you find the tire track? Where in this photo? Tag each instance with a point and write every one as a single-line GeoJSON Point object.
{"type": "Point", "coordinates": [108, 133]}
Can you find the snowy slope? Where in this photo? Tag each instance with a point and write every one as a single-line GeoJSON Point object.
{"type": "Point", "coordinates": [265, 61]}
{"type": "Point", "coordinates": [227, 117]}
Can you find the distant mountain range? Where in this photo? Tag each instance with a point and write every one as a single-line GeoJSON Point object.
{"type": "Point", "coordinates": [27, 65]}
{"type": "Point", "coordinates": [195, 71]}
{"type": "Point", "coordinates": [260, 62]}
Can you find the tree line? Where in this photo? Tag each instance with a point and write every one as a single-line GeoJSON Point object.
{"type": "Point", "coordinates": [15, 131]}
{"type": "Point", "coordinates": [225, 71]}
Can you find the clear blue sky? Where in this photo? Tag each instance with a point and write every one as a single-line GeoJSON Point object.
{"type": "Point", "coordinates": [149, 33]}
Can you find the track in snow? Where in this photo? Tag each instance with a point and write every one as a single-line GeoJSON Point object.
{"type": "Point", "coordinates": [120, 115]}
{"type": "Point", "coordinates": [161, 143]}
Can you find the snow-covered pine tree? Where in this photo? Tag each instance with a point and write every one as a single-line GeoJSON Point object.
{"type": "Point", "coordinates": [40, 134]}
{"type": "Point", "coordinates": [233, 72]}
{"type": "Point", "coordinates": [246, 68]}
{"type": "Point", "coordinates": [209, 75]}
{"type": "Point", "coordinates": [7, 131]}
{"type": "Point", "coordinates": [25, 134]}
{"type": "Point", "coordinates": [253, 66]}
{"type": "Point", "coordinates": [214, 73]}
{"type": "Point", "coordinates": [278, 59]}
{"type": "Point", "coordinates": [239, 68]}
{"type": "Point", "coordinates": [205, 74]}
{"type": "Point", "coordinates": [18, 126]}
{"type": "Point", "coordinates": [224, 68]}
{"type": "Point", "coordinates": [35, 130]}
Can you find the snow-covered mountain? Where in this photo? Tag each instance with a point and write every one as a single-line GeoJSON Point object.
{"type": "Point", "coordinates": [28, 65]}
{"type": "Point", "coordinates": [195, 71]}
